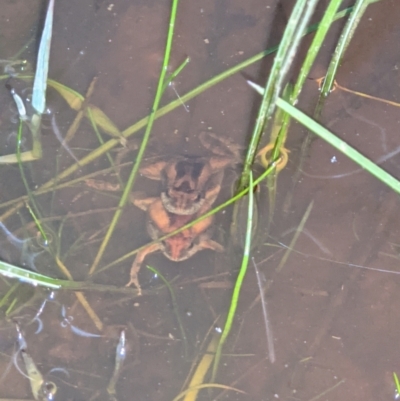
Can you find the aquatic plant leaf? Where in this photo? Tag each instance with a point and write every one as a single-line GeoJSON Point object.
{"type": "Point", "coordinates": [12, 158]}
{"type": "Point", "coordinates": [42, 67]}
{"type": "Point", "coordinates": [73, 98]}
{"type": "Point", "coordinates": [104, 122]}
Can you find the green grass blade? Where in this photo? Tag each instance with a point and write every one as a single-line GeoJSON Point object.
{"type": "Point", "coordinates": [339, 144]}
{"type": "Point", "coordinates": [131, 180]}
{"type": "Point", "coordinates": [42, 67]}
{"type": "Point", "coordinates": [324, 25]}
{"type": "Point", "coordinates": [294, 31]}
{"type": "Point", "coordinates": [37, 279]}
{"type": "Point", "coordinates": [239, 281]}
{"type": "Point", "coordinates": [175, 73]}
{"type": "Point", "coordinates": [397, 383]}
{"type": "Point", "coordinates": [344, 41]}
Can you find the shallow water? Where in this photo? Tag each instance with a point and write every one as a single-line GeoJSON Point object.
{"type": "Point", "coordinates": [333, 305]}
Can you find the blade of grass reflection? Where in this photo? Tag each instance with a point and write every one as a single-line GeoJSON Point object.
{"type": "Point", "coordinates": [295, 237]}
{"type": "Point", "coordinates": [268, 330]}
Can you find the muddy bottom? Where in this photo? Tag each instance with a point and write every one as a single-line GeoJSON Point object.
{"type": "Point", "coordinates": [329, 305]}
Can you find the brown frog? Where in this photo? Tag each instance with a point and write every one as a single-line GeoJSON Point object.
{"type": "Point", "coordinates": [189, 187]}
{"type": "Point", "coordinates": [178, 247]}
{"type": "Point", "coordinates": [191, 183]}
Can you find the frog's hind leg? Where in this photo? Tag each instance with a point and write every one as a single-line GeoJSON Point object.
{"type": "Point", "coordinates": [137, 263]}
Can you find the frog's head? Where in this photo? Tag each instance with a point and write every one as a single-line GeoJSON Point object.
{"type": "Point", "coordinates": [184, 183]}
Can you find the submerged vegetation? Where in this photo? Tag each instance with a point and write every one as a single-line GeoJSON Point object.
{"type": "Point", "coordinates": [267, 150]}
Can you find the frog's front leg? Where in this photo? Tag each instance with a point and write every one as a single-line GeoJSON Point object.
{"type": "Point", "coordinates": [154, 170]}
{"type": "Point", "coordinates": [137, 263]}
{"type": "Point", "coordinates": [140, 200]}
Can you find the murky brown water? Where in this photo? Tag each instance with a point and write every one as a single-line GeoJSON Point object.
{"type": "Point", "coordinates": [332, 307]}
